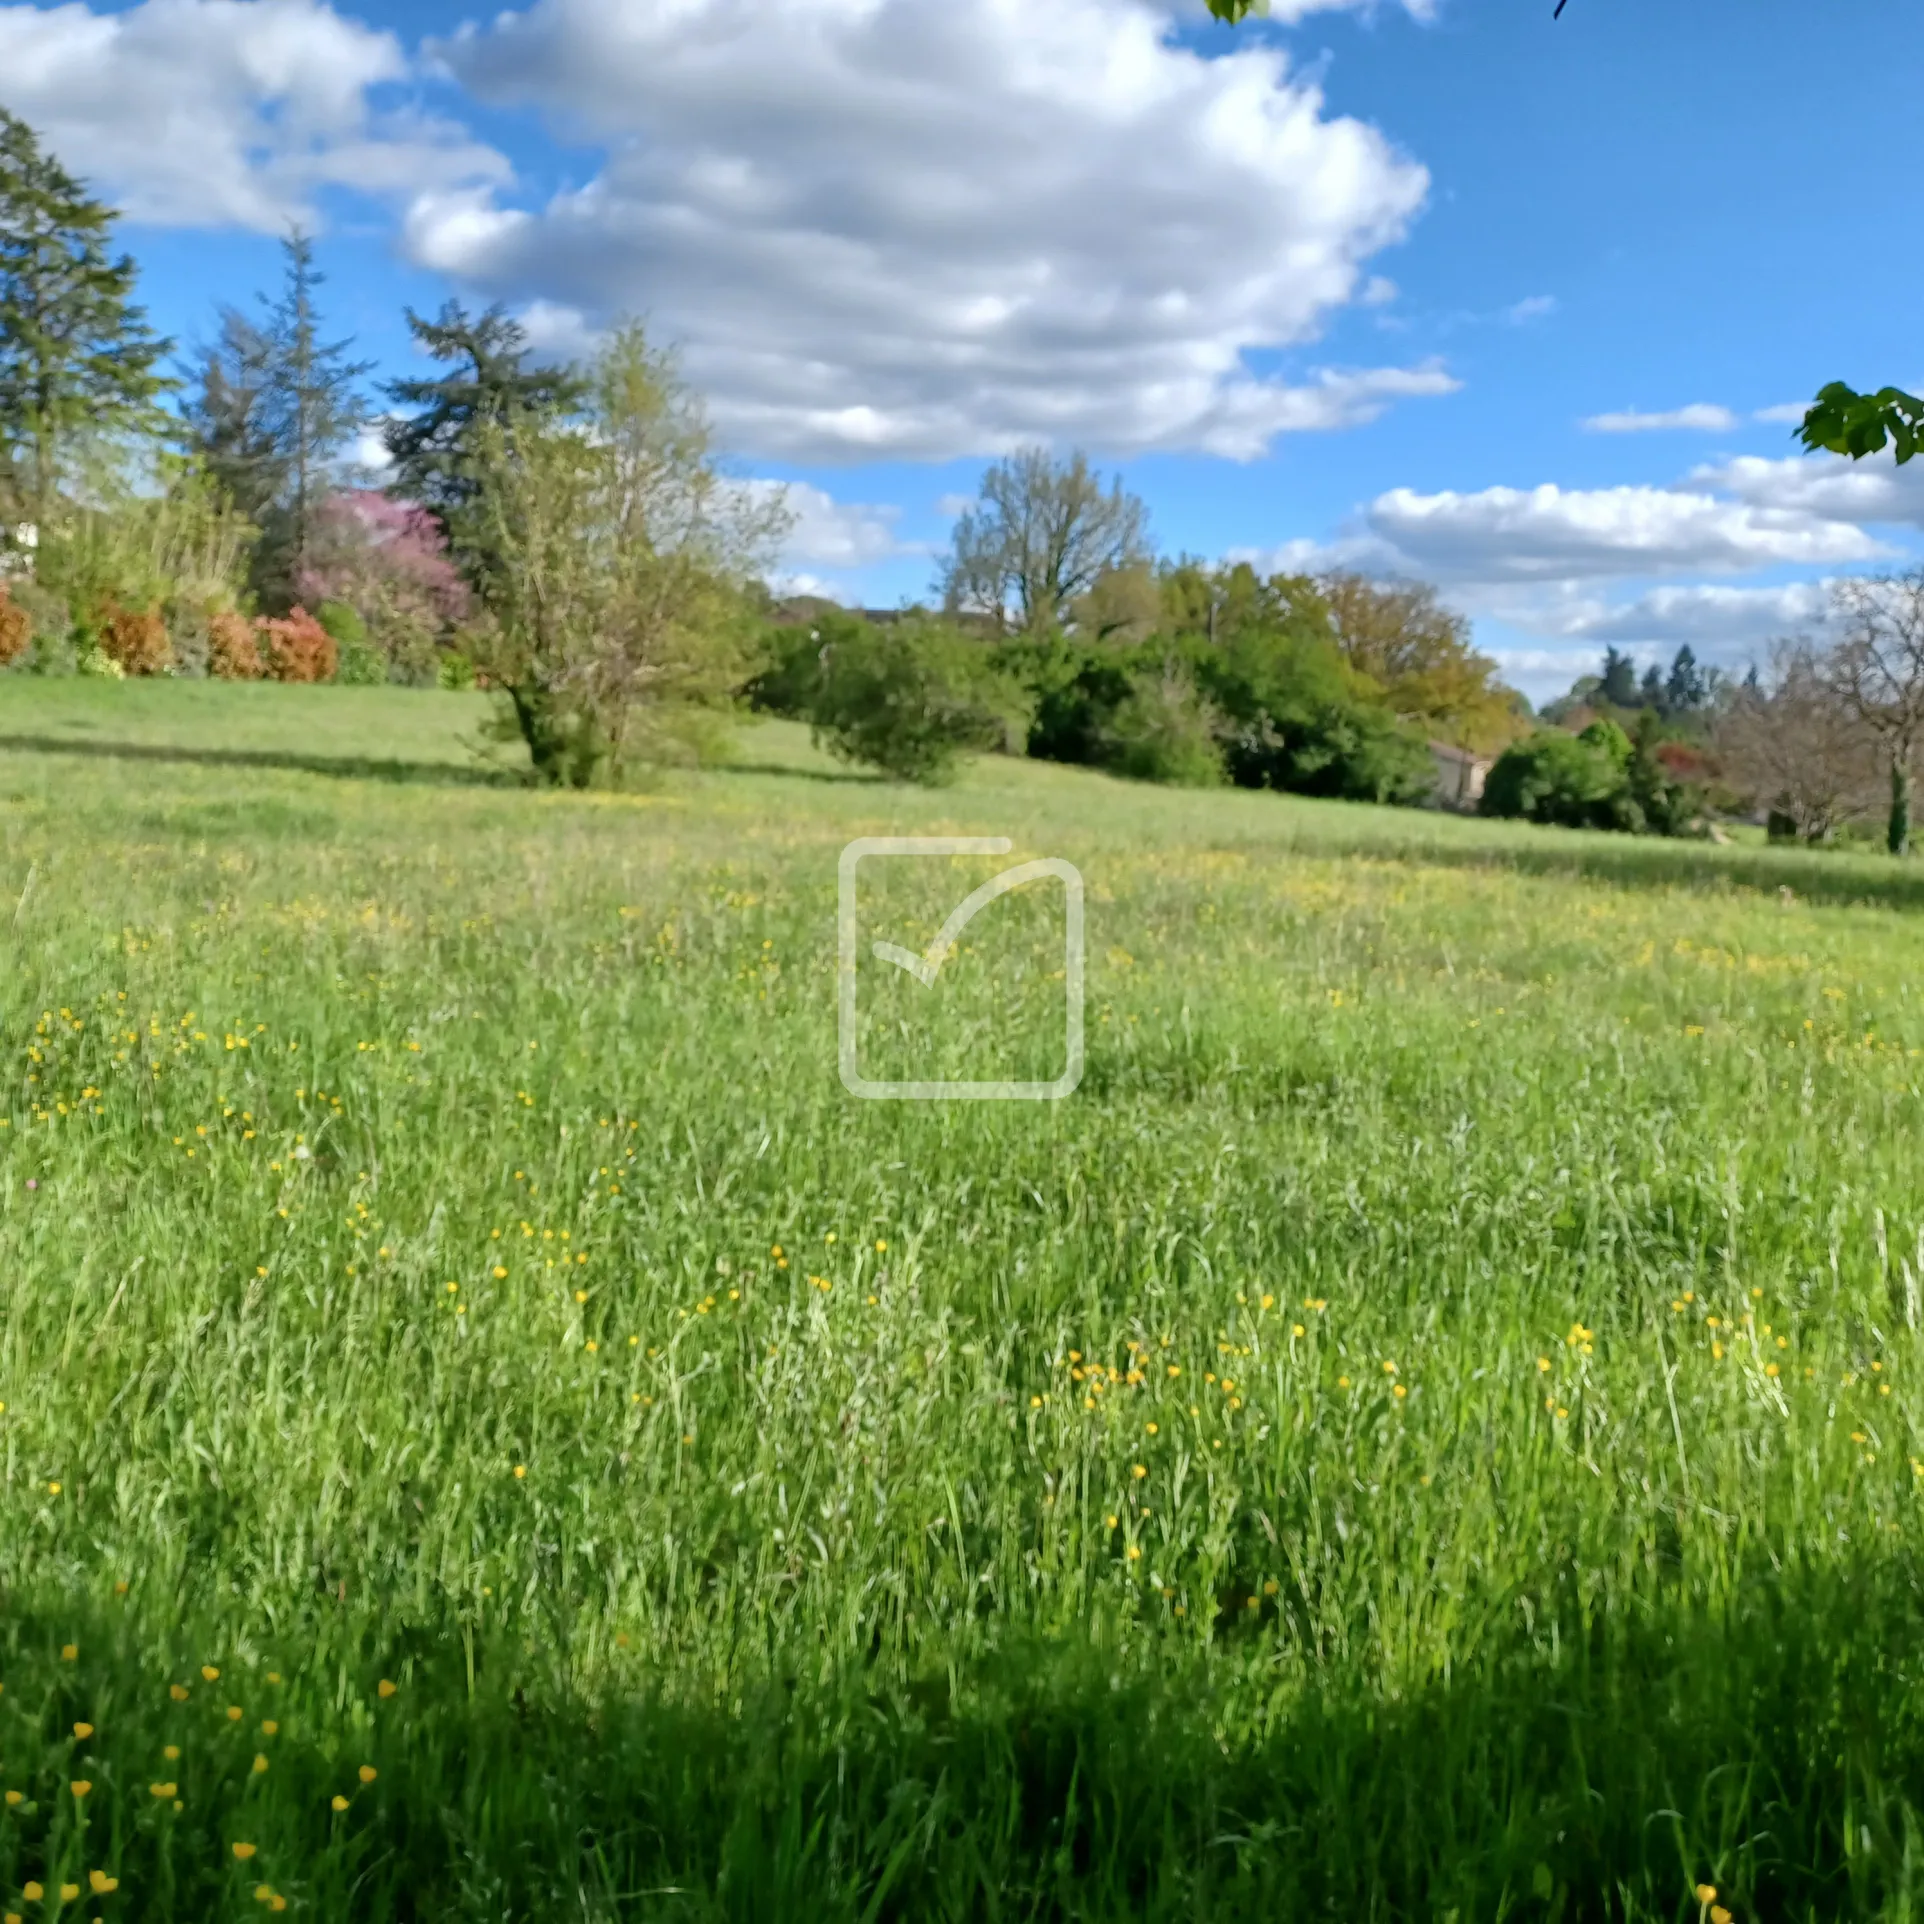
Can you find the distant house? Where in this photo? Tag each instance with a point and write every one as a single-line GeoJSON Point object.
{"type": "Point", "coordinates": [1460, 776]}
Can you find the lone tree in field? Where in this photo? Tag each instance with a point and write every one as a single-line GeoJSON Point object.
{"type": "Point", "coordinates": [1040, 536]}
{"type": "Point", "coordinates": [433, 448]}
{"type": "Point", "coordinates": [614, 559]}
{"type": "Point", "coordinates": [76, 353]}
{"type": "Point", "coordinates": [1875, 671]}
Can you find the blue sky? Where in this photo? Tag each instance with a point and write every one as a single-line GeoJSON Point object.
{"type": "Point", "coordinates": [1343, 287]}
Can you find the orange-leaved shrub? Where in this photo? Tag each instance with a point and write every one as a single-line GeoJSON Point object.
{"type": "Point", "coordinates": [136, 638]}
{"type": "Point", "coordinates": [296, 647]}
{"type": "Point", "coordinates": [232, 652]}
{"type": "Point", "coordinates": [16, 628]}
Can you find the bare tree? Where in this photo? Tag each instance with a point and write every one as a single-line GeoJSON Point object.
{"type": "Point", "coordinates": [1796, 749]}
{"type": "Point", "coordinates": [1042, 533]}
{"type": "Point", "coordinates": [1876, 671]}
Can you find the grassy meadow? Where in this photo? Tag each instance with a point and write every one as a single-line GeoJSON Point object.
{"type": "Point", "coordinates": [492, 1429]}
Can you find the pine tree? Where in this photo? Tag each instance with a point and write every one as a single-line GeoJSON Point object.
{"type": "Point", "coordinates": [228, 421]}
{"type": "Point", "coordinates": [75, 351]}
{"type": "Point", "coordinates": [1650, 689]}
{"type": "Point", "coordinates": [311, 406]}
{"type": "Point", "coordinates": [1618, 684]}
{"type": "Point", "coordinates": [1686, 689]}
{"type": "Point", "coordinates": [433, 449]}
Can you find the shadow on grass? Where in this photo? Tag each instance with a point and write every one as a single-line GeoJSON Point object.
{"type": "Point", "coordinates": [348, 767]}
{"type": "Point", "coordinates": [1773, 1749]}
{"type": "Point", "coordinates": [1626, 861]}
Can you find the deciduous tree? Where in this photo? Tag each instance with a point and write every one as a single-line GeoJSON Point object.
{"type": "Point", "coordinates": [1875, 671]}
{"type": "Point", "coordinates": [1041, 534]}
{"type": "Point", "coordinates": [617, 559]}
{"type": "Point", "coordinates": [1789, 744]}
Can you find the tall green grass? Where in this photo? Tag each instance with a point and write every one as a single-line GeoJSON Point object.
{"type": "Point", "coordinates": [1428, 1429]}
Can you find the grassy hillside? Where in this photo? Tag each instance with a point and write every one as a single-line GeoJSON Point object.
{"type": "Point", "coordinates": [493, 1429]}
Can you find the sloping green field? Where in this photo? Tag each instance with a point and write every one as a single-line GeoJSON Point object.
{"type": "Point", "coordinates": [493, 1430]}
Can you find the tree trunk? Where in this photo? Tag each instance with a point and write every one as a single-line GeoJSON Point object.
{"type": "Point", "coordinates": [1899, 838]}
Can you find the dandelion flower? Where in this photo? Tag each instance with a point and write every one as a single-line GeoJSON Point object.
{"type": "Point", "coordinates": [262, 1892]}
{"type": "Point", "coordinates": [68, 1652]}
{"type": "Point", "coordinates": [15, 1797]}
{"type": "Point", "coordinates": [162, 1790]}
{"type": "Point", "coordinates": [1706, 1893]}
{"type": "Point", "coordinates": [32, 1892]}
{"type": "Point", "coordinates": [339, 1802]}
{"type": "Point", "coordinates": [1718, 1915]}
{"type": "Point", "coordinates": [209, 1673]}
{"type": "Point", "coordinates": [171, 1752]}
{"type": "Point", "coordinates": [384, 1688]}
{"type": "Point", "coordinates": [260, 1763]}
{"type": "Point", "coordinates": [80, 1786]}
{"type": "Point", "coordinates": [368, 1773]}
{"type": "Point", "coordinates": [100, 1883]}
{"type": "Point", "coordinates": [233, 1713]}
{"type": "Point", "coordinates": [83, 1731]}
{"type": "Point", "coordinates": [270, 1728]}
{"type": "Point", "coordinates": [521, 1469]}
{"type": "Point", "coordinates": [1138, 1472]}
{"type": "Point", "coordinates": [1135, 1552]}
{"type": "Point", "coordinates": [243, 1852]}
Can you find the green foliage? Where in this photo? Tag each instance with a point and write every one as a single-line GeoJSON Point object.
{"type": "Point", "coordinates": [142, 530]}
{"type": "Point", "coordinates": [1568, 781]}
{"type": "Point", "coordinates": [343, 623]}
{"type": "Point", "coordinates": [618, 559]}
{"type": "Point", "coordinates": [1165, 730]}
{"type": "Point", "coordinates": [1843, 421]}
{"type": "Point", "coordinates": [1609, 740]}
{"type": "Point", "coordinates": [434, 448]}
{"type": "Point", "coordinates": [910, 698]}
{"type": "Point", "coordinates": [1297, 718]}
{"type": "Point", "coordinates": [454, 672]}
{"type": "Point", "coordinates": [76, 354]}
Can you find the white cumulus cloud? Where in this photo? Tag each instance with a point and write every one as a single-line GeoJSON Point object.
{"type": "Point", "coordinates": [1552, 533]}
{"type": "Point", "coordinates": [204, 113]}
{"type": "Point", "coordinates": [890, 227]}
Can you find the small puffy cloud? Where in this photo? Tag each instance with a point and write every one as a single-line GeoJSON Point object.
{"type": "Point", "coordinates": [1791, 413]}
{"type": "Point", "coordinates": [1702, 417]}
{"type": "Point", "coordinates": [204, 113]}
{"type": "Point", "coordinates": [884, 227]}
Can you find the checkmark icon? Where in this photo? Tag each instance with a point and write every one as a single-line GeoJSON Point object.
{"type": "Point", "coordinates": [926, 966]}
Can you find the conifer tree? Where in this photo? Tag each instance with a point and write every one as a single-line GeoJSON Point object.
{"type": "Point", "coordinates": [75, 350]}
{"type": "Point", "coordinates": [434, 448]}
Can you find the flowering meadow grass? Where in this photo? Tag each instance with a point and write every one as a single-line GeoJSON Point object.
{"type": "Point", "coordinates": [491, 1429]}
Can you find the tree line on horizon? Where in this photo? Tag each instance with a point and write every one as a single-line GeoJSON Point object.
{"type": "Point", "coordinates": [566, 535]}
